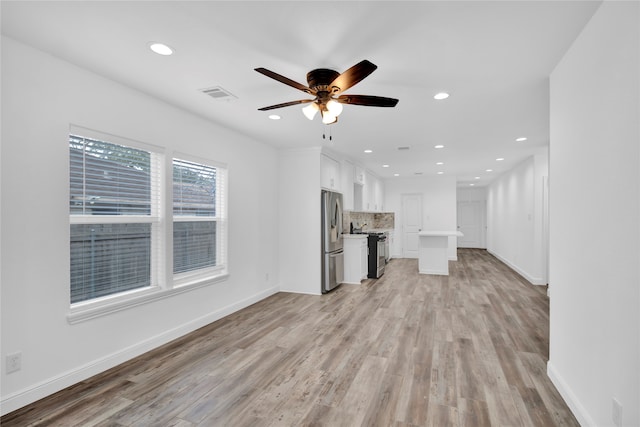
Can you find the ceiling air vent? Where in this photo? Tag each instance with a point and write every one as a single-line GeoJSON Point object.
{"type": "Point", "coordinates": [219, 94]}
{"type": "Point", "coordinates": [403, 148]}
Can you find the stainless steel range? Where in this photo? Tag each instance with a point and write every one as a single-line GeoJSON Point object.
{"type": "Point", "coordinates": [377, 254]}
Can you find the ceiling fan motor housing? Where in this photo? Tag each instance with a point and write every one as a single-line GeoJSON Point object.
{"type": "Point", "coordinates": [321, 78]}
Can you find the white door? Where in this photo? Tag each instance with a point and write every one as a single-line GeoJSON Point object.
{"type": "Point", "coordinates": [470, 223]}
{"type": "Point", "coordinates": [411, 224]}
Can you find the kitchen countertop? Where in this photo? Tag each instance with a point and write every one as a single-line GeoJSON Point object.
{"type": "Point", "coordinates": [440, 233]}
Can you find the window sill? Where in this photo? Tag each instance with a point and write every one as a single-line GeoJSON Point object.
{"type": "Point", "coordinates": [84, 311]}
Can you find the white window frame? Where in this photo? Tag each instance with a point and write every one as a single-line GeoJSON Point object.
{"type": "Point", "coordinates": [220, 271]}
{"type": "Point", "coordinates": [163, 283]}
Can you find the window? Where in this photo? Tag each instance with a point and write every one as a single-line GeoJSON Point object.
{"type": "Point", "coordinates": [116, 201]}
{"type": "Point", "coordinates": [114, 216]}
{"type": "Point", "coordinates": [198, 218]}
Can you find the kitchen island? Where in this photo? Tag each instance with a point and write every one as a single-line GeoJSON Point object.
{"type": "Point", "coordinates": [433, 251]}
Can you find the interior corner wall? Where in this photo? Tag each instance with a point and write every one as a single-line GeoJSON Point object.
{"type": "Point", "coordinates": [594, 219]}
{"type": "Point", "coordinates": [438, 206]}
{"type": "Point", "coordinates": [41, 97]}
{"type": "Point", "coordinates": [300, 220]}
{"type": "Point", "coordinates": [515, 217]}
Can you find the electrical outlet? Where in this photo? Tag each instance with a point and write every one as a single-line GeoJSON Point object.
{"type": "Point", "coordinates": [616, 412]}
{"type": "Point", "coordinates": [14, 362]}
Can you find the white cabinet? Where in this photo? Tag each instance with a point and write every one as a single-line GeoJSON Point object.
{"type": "Point", "coordinates": [368, 197]}
{"type": "Point", "coordinates": [348, 171]}
{"type": "Point", "coordinates": [367, 192]}
{"type": "Point", "coordinates": [392, 243]}
{"type": "Point", "coordinates": [358, 177]}
{"type": "Point", "coordinates": [358, 197]}
{"type": "Point", "coordinates": [364, 259]}
{"type": "Point", "coordinates": [329, 173]}
{"type": "Point", "coordinates": [355, 258]}
{"type": "Point", "coordinates": [373, 194]}
{"type": "Point", "coordinates": [378, 196]}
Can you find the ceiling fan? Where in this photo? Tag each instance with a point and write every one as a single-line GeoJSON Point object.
{"type": "Point", "coordinates": [327, 85]}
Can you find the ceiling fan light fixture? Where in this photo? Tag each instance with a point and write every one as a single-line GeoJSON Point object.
{"type": "Point", "coordinates": [334, 107]}
{"type": "Point", "coordinates": [310, 110]}
{"type": "Point", "coordinates": [328, 118]}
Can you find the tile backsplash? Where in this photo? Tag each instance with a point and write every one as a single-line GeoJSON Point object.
{"type": "Point", "coordinates": [368, 220]}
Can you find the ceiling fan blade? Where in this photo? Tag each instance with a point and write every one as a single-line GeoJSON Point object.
{"type": "Point", "coordinates": [286, 104]}
{"type": "Point", "coordinates": [285, 80]}
{"type": "Point", "coordinates": [353, 76]}
{"type": "Point", "coordinates": [372, 101]}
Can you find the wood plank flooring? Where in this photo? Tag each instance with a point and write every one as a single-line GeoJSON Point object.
{"type": "Point", "coordinates": [469, 349]}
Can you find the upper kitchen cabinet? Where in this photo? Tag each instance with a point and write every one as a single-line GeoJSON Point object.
{"type": "Point", "coordinates": [348, 171]}
{"type": "Point", "coordinates": [378, 196]}
{"type": "Point", "coordinates": [329, 173]}
{"type": "Point", "coordinates": [358, 177]}
{"type": "Point", "coordinates": [371, 195]}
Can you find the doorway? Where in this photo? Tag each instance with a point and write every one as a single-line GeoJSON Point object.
{"type": "Point", "coordinates": [411, 224]}
{"type": "Point", "coordinates": [471, 222]}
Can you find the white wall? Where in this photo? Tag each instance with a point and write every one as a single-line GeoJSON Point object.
{"type": "Point", "coordinates": [478, 194]}
{"type": "Point", "coordinates": [595, 218]}
{"type": "Point", "coordinates": [438, 206]}
{"type": "Point", "coordinates": [515, 217]}
{"type": "Point", "coordinates": [41, 96]}
{"type": "Point", "coordinates": [300, 220]}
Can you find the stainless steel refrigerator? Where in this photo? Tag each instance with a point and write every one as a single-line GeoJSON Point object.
{"type": "Point", "coordinates": [332, 249]}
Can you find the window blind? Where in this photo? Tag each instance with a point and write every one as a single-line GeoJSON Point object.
{"type": "Point", "coordinates": [199, 228]}
{"type": "Point", "coordinates": [114, 205]}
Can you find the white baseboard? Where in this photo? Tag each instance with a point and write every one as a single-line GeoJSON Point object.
{"type": "Point", "coordinates": [531, 279]}
{"type": "Point", "coordinates": [45, 388]}
{"type": "Point", "coordinates": [572, 401]}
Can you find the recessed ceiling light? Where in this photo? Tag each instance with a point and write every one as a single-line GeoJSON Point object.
{"type": "Point", "coordinates": [368, 151]}
{"type": "Point", "coordinates": [396, 174]}
{"type": "Point", "coordinates": [441, 95]}
{"type": "Point", "coordinates": [499, 159]}
{"type": "Point", "coordinates": [522, 138]}
{"type": "Point", "coordinates": [477, 177]}
{"type": "Point", "coordinates": [440, 163]}
{"type": "Point", "coordinates": [489, 170]}
{"type": "Point", "coordinates": [385, 166]}
{"type": "Point", "coordinates": [160, 48]}
{"type": "Point", "coordinates": [438, 146]}
{"type": "Point", "coordinates": [440, 173]}
{"type": "Point", "coordinates": [274, 117]}
{"type": "Point", "coordinates": [472, 184]}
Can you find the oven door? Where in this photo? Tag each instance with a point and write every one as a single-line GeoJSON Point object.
{"type": "Point", "coordinates": [381, 259]}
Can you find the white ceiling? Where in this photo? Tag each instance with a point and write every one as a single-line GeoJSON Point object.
{"type": "Point", "coordinates": [494, 58]}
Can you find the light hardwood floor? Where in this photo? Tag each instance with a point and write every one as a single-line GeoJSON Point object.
{"type": "Point", "coordinates": [406, 350]}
